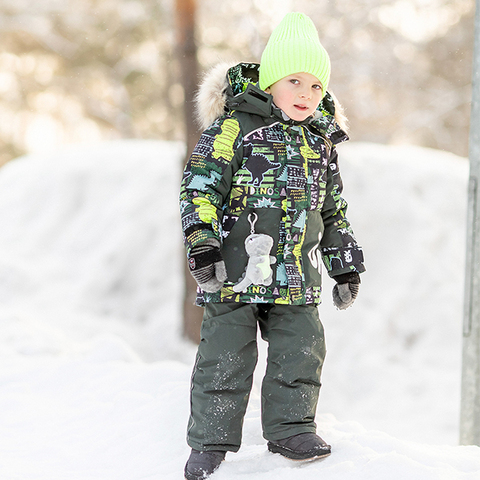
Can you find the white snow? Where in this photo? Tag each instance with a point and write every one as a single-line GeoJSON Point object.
{"type": "Point", "coordinates": [94, 376]}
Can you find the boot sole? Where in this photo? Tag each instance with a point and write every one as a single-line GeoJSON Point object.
{"type": "Point", "coordinates": [304, 456]}
{"type": "Point", "coordinates": [193, 476]}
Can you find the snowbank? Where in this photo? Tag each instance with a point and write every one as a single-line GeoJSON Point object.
{"type": "Point", "coordinates": [95, 378]}
{"type": "Point", "coordinates": [91, 239]}
{"type": "Point", "coordinates": [398, 352]}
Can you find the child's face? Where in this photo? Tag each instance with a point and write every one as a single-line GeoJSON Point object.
{"type": "Point", "coordinates": [298, 95]}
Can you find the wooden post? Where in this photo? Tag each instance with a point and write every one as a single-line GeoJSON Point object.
{"type": "Point", "coordinates": [187, 55]}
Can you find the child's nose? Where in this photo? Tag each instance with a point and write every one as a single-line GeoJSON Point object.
{"type": "Point", "coordinates": [305, 93]}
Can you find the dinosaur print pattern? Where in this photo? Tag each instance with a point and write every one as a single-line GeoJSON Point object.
{"type": "Point", "coordinates": [202, 182]}
{"type": "Point", "coordinates": [282, 170]}
{"type": "Point", "coordinates": [258, 165]}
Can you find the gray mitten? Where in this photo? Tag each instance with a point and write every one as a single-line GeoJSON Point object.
{"type": "Point", "coordinates": [207, 266]}
{"type": "Point", "coordinates": [346, 290]}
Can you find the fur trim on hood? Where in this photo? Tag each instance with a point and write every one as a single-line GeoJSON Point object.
{"type": "Point", "coordinates": [211, 98]}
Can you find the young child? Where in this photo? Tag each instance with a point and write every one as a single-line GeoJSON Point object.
{"type": "Point", "coordinates": [261, 211]}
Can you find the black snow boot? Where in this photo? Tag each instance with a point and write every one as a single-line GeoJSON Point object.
{"type": "Point", "coordinates": [304, 446]}
{"type": "Point", "coordinates": [201, 465]}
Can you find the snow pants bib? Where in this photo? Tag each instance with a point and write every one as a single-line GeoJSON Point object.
{"type": "Point", "coordinates": [226, 359]}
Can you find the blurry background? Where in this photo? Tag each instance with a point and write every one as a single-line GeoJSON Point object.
{"type": "Point", "coordinates": [108, 69]}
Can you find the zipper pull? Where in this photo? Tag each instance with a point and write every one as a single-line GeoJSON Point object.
{"type": "Point", "coordinates": [252, 220]}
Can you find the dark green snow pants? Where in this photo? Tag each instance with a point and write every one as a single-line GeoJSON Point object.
{"type": "Point", "coordinates": [226, 359]}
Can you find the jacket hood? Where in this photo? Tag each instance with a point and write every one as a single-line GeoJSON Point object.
{"type": "Point", "coordinates": [226, 88]}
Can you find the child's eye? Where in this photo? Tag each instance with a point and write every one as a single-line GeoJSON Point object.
{"type": "Point", "coordinates": [294, 81]}
{"type": "Point", "coordinates": [317, 87]}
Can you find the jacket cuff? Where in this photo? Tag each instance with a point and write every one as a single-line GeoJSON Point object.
{"type": "Point", "coordinates": [340, 260]}
{"type": "Point", "coordinates": [198, 234]}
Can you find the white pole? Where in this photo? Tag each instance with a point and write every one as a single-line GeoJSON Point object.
{"type": "Point", "coordinates": [470, 404]}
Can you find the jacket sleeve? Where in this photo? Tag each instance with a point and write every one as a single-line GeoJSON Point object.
{"type": "Point", "coordinates": [340, 251]}
{"type": "Point", "coordinates": [207, 181]}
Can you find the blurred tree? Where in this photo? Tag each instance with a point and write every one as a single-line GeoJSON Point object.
{"type": "Point", "coordinates": [102, 72]}
{"type": "Point", "coordinates": [187, 55]}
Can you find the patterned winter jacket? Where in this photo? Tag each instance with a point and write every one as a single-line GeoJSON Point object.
{"type": "Point", "coordinates": [253, 158]}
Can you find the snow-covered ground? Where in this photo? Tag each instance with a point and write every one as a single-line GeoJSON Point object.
{"type": "Point", "coordinates": [94, 376]}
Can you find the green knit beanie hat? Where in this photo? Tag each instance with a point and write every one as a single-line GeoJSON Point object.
{"type": "Point", "coordinates": [294, 47]}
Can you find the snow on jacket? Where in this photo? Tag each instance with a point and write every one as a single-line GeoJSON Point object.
{"type": "Point", "coordinates": [251, 158]}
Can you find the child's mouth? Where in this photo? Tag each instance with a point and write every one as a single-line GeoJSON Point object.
{"type": "Point", "coordinates": [302, 108]}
